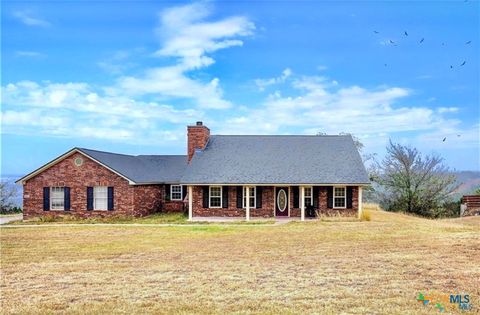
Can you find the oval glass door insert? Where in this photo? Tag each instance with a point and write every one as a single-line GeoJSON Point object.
{"type": "Point", "coordinates": [281, 200]}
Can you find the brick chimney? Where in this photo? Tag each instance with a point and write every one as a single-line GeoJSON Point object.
{"type": "Point", "coordinates": [197, 136]}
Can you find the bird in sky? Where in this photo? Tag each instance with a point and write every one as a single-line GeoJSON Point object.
{"type": "Point", "coordinates": [463, 63]}
{"type": "Point", "coordinates": [421, 41]}
{"type": "Point", "coordinates": [451, 67]}
{"type": "Point", "coordinates": [385, 64]}
{"type": "Point", "coordinates": [468, 42]}
{"type": "Point", "coordinates": [458, 135]}
{"type": "Point", "coordinates": [444, 139]}
{"type": "Point", "coordinates": [406, 34]}
{"type": "Point", "coordinates": [392, 42]}
{"type": "Point", "coordinates": [376, 32]}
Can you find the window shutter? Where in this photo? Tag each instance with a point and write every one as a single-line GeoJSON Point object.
{"type": "Point", "coordinates": [205, 196]}
{"type": "Point", "coordinates": [110, 198]}
{"type": "Point", "coordinates": [296, 197]}
{"type": "Point", "coordinates": [89, 198]}
{"type": "Point", "coordinates": [329, 197]}
{"type": "Point", "coordinates": [239, 197]}
{"type": "Point", "coordinates": [66, 198]}
{"type": "Point", "coordinates": [224, 196]}
{"type": "Point", "coordinates": [315, 196]}
{"type": "Point", "coordinates": [349, 197]}
{"type": "Point", "coordinates": [46, 198]}
{"type": "Point", "coordinates": [167, 192]}
{"type": "Point", "coordinates": [259, 197]}
{"type": "Point", "coordinates": [184, 191]}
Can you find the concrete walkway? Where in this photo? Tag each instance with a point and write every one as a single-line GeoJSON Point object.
{"type": "Point", "coordinates": [9, 218]}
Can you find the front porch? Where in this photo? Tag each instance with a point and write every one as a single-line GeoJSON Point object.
{"type": "Point", "coordinates": [227, 203]}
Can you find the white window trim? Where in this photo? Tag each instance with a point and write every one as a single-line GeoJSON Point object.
{"type": "Point", "coordinates": [254, 197]}
{"type": "Point", "coordinates": [344, 197]}
{"type": "Point", "coordinates": [305, 197]}
{"type": "Point", "coordinates": [95, 197]}
{"type": "Point", "coordinates": [51, 199]}
{"type": "Point", "coordinates": [210, 197]}
{"type": "Point", "coordinates": [181, 193]}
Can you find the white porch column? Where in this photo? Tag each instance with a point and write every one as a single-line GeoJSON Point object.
{"type": "Point", "coordinates": [360, 202]}
{"type": "Point", "coordinates": [302, 203]}
{"type": "Point", "coordinates": [190, 203]}
{"type": "Point", "coordinates": [247, 204]}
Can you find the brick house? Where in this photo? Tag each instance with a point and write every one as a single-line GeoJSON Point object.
{"type": "Point", "coordinates": [234, 176]}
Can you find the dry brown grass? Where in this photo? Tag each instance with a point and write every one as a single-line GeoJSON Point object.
{"type": "Point", "coordinates": [375, 267]}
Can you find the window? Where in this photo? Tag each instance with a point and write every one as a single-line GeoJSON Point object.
{"type": "Point", "coordinates": [308, 197]}
{"type": "Point", "coordinates": [339, 197]}
{"type": "Point", "coordinates": [176, 192]}
{"type": "Point", "coordinates": [253, 196]}
{"type": "Point", "coordinates": [57, 198]}
{"type": "Point", "coordinates": [215, 197]}
{"type": "Point", "coordinates": [100, 198]}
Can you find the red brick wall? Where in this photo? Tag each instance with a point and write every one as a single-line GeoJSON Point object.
{"type": "Point", "coordinates": [232, 210]}
{"type": "Point", "coordinates": [78, 178]}
{"type": "Point", "coordinates": [147, 199]}
{"type": "Point", "coordinates": [128, 200]}
{"type": "Point", "coordinates": [268, 207]}
{"type": "Point", "coordinates": [197, 138]}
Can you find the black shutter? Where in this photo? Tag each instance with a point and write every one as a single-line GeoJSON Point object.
{"type": "Point", "coordinates": [329, 197]}
{"type": "Point", "coordinates": [239, 197]}
{"type": "Point", "coordinates": [259, 197]}
{"type": "Point", "coordinates": [296, 197]}
{"type": "Point", "coordinates": [110, 198]}
{"type": "Point", "coordinates": [315, 192]}
{"type": "Point", "coordinates": [66, 198]}
{"type": "Point", "coordinates": [205, 196]}
{"type": "Point", "coordinates": [167, 192]}
{"type": "Point", "coordinates": [224, 196]}
{"type": "Point", "coordinates": [184, 192]}
{"type": "Point", "coordinates": [89, 198]}
{"type": "Point", "coordinates": [46, 198]}
{"type": "Point", "coordinates": [349, 197]}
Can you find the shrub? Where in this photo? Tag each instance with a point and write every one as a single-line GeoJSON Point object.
{"type": "Point", "coordinates": [10, 210]}
{"type": "Point", "coordinates": [365, 215]}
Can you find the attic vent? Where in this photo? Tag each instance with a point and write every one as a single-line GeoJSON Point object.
{"type": "Point", "coordinates": [78, 161]}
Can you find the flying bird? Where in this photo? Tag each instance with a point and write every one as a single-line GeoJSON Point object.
{"type": "Point", "coordinates": [451, 67]}
{"type": "Point", "coordinates": [421, 41]}
{"type": "Point", "coordinates": [406, 34]}
{"type": "Point", "coordinates": [376, 32]}
{"type": "Point", "coordinates": [444, 139]}
{"type": "Point", "coordinates": [463, 63]}
{"type": "Point", "coordinates": [385, 64]}
{"type": "Point", "coordinates": [458, 135]}
{"type": "Point", "coordinates": [391, 41]}
{"type": "Point", "coordinates": [468, 42]}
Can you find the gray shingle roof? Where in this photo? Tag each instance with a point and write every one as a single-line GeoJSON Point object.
{"type": "Point", "coordinates": [143, 168]}
{"type": "Point", "coordinates": [277, 160]}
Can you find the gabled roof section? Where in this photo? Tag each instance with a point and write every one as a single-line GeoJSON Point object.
{"type": "Point", "coordinates": [137, 169]}
{"type": "Point", "coordinates": [277, 160]}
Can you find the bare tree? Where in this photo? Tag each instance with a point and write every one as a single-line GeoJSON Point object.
{"type": "Point", "coordinates": [412, 182]}
{"type": "Point", "coordinates": [7, 196]}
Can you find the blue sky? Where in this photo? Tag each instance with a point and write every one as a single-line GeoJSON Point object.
{"type": "Point", "coordinates": [127, 76]}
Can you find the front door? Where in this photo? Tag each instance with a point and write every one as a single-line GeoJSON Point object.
{"type": "Point", "coordinates": [281, 201]}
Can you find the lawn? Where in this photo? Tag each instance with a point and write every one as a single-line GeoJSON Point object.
{"type": "Point", "coordinates": [329, 267]}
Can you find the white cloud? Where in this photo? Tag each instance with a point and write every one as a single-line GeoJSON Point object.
{"type": "Point", "coordinates": [323, 105]}
{"type": "Point", "coordinates": [77, 110]}
{"type": "Point", "coordinates": [28, 18]}
{"type": "Point", "coordinates": [263, 83]}
{"type": "Point", "coordinates": [30, 54]}
{"type": "Point", "coordinates": [186, 35]}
